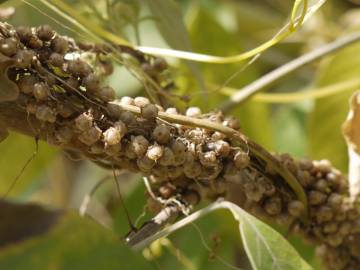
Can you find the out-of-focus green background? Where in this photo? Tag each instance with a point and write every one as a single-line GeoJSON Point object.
{"type": "Point", "coordinates": [310, 128]}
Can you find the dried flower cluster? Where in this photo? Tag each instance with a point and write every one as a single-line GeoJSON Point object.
{"type": "Point", "coordinates": [62, 95]}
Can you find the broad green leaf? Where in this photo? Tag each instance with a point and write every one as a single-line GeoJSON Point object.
{"type": "Point", "coordinates": [73, 243]}
{"type": "Point", "coordinates": [324, 129]}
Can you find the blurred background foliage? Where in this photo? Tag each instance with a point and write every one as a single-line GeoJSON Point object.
{"type": "Point", "coordinates": [307, 128]}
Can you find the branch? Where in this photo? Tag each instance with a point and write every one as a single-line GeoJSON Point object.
{"type": "Point", "coordinates": [248, 91]}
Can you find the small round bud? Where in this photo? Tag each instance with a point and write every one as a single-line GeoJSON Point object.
{"type": "Point", "coordinates": [113, 150]}
{"type": "Point", "coordinates": [45, 32]}
{"type": "Point", "coordinates": [191, 197]}
{"type": "Point", "coordinates": [23, 58]}
{"type": "Point", "coordinates": [160, 64]}
{"type": "Point", "coordinates": [167, 158]}
{"type": "Point", "coordinates": [8, 46]}
{"type": "Point", "coordinates": [218, 136]}
{"type": "Point", "coordinates": [232, 122]}
{"type": "Point", "coordinates": [178, 147]}
{"type": "Point", "coordinates": [84, 121]}
{"type": "Point", "coordinates": [107, 94]}
{"type": "Point", "coordinates": [111, 136]}
{"type": "Point", "coordinates": [193, 112]}
{"type": "Point", "coordinates": [345, 228]}
{"type": "Point", "coordinates": [78, 68]}
{"type": "Point", "coordinates": [26, 84]}
{"type": "Point", "coordinates": [192, 170]}
{"type": "Point", "coordinates": [90, 136]}
{"type": "Point", "coordinates": [127, 101]}
{"type": "Point", "coordinates": [208, 159]}
{"type": "Point", "coordinates": [322, 186]}
{"type": "Point", "coordinates": [155, 152]}
{"type": "Point", "coordinates": [139, 144]}
{"type": "Point", "coordinates": [35, 43]}
{"type": "Point", "coordinates": [24, 33]}
{"type": "Point", "coordinates": [141, 101]}
{"type": "Point", "coordinates": [171, 110]}
{"type": "Point", "coordinates": [334, 240]}
{"type": "Point", "coordinates": [161, 134]}
{"type": "Point", "coordinates": [166, 191]}
{"type": "Point", "coordinates": [149, 111]}
{"type": "Point", "coordinates": [253, 191]}
{"type": "Point", "coordinates": [92, 83]}
{"type": "Point", "coordinates": [148, 69]}
{"type": "Point", "coordinates": [324, 214]}
{"type": "Point", "coordinates": [71, 84]}
{"type": "Point", "coordinates": [316, 197]}
{"type": "Point", "coordinates": [335, 201]}
{"type": "Point", "coordinates": [64, 134]}
{"type": "Point", "coordinates": [59, 45]}
{"type": "Point", "coordinates": [145, 164]}
{"type": "Point", "coordinates": [241, 160]}
{"type": "Point", "coordinates": [127, 117]}
{"type": "Point", "coordinates": [273, 206]}
{"type": "Point", "coordinates": [56, 60]}
{"type": "Point", "coordinates": [41, 91]}
{"type": "Point", "coordinates": [46, 114]}
{"type": "Point", "coordinates": [296, 208]}
{"type": "Point", "coordinates": [222, 148]}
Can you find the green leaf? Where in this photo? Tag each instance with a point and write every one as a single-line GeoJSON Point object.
{"type": "Point", "coordinates": [324, 127]}
{"type": "Point", "coordinates": [265, 247]}
{"type": "Point", "coordinates": [73, 243]}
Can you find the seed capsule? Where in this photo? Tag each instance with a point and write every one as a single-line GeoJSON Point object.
{"type": "Point", "coordinates": [316, 197]}
{"type": "Point", "coordinates": [59, 45]}
{"type": "Point", "coordinates": [149, 111]}
{"type": "Point", "coordinates": [167, 190]}
{"type": "Point", "coordinates": [84, 121]}
{"type": "Point", "coordinates": [241, 160]}
{"type": "Point", "coordinates": [107, 94]}
{"type": "Point", "coordinates": [92, 83]}
{"type": "Point", "coordinates": [26, 83]}
{"type": "Point", "coordinates": [141, 101]}
{"type": "Point", "coordinates": [112, 136]}
{"type": "Point", "coordinates": [296, 208]}
{"type": "Point", "coordinates": [45, 32]}
{"type": "Point", "coordinates": [139, 144]}
{"type": "Point", "coordinates": [127, 117]}
{"type": "Point", "coordinates": [23, 58]}
{"type": "Point", "coordinates": [41, 91]}
{"type": "Point", "coordinates": [273, 206]}
{"type": "Point", "coordinates": [90, 136]}
{"type": "Point", "coordinates": [35, 43]}
{"type": "Point", "coordinates": [161, 134]}
{"type": "Point", "coordinates": [46, 114]}
{"type": "Point", "coordinates": [64, 134]}
{"type": "Point", "coordinates": [78, 68]}
{"type": "Point", "coordinates": [167, 158]}
{"type": "Point", "coordinates": [253, 191]}
{"type": "Point", "coordinates": [171, 110]}
{"type": "Point", "coordinates": [324, 214]}
{"type": "Point", "coordinates": [160, 64]}
{"type": "Point", "coordinates": [222, 148]}
{"type": "Point", "coordinates": [113, 150]}
{"type": "Point", "coordinates": [330, 227]}
{"type": "Point", "coordinates": [193, 112]}
{"type": "Point", "coordinates": [8, 46]}
{"type": "Point", "coordinates": [232, 122]}
{"type": "Point", "coordinates": [208, 159]}
{"type": "Point", "coordinates": [145, 164]}
{"type": "Point", "coordinates": [24, 33]}
{"type": "Point", "coordinates": [56, 60]}
{"type": "Point", "coordinates": [127, 101]}
{"type": "Point", "coordinates": [155, 152]}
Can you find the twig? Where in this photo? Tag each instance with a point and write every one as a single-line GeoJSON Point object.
{"type": "Point", "coordinates": [246, 92]}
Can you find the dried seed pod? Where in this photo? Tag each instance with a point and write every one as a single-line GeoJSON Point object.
{"type": "Point", "coordinates": [56, 60]}
{"type": "Point", "coordinates": [31, 107]}
{"type": "Point", "coordinates": [171, 110]}
{"type": "Point", "coordinates": [253, 191]}
{"type": "Point", "coordinates": [92, 83]}
{"type": "Point", "coordinates": [84, 121]}
{"type": "Point", "coordinates": [26, 83]}
{"type": "Point", "coordinates": [45, 32]}
{"type": "Point", "coordinates": [145, 164]}
{"type": "Point", "coordinates": [141, 101]}
{"type": "Point", "coordinates": [178, 147]}
{"type": "Point", "coordinates": [107, 94]}
{"type": "Point", "coordinates": [8, 46]}
{"type": "Point", "coordinates": [24, 33]}
{"type": "Point", "coordinates": [120, 125]}
{"type": "Point", "coordinates": [175, 172]}
{"type": "Point", "coordinates": [167, 158]}
{"type": "Point", "coordinates": [23, 58]}
{"type": "Point", "coordinates": [45, 113]}
{"type": "Point", "coordinates": [218, 136]}
{"type": "Point", "coordinates": [192, 170]}
{"type": "Point", "coordinates": [324, 214]}
{"type": "Point", "coordinates": [160, 64]}
{"type": "Point", "coordinates": [232, 122]}
{"type": "Point", "coordinates": [127, 101]}
{"type": "Point", "coordinates": [345, 228]}
{"type": "Point", "coordinates": [59, 45]}
{"type": "Point", "coordinates": [208, 159]}
{"type": "Point", "coordinates": [316, 197]}
{"type": "Point", "coordinates": [139, 144]}
{"type": "Point", "coordinates": [149, 111]}
{"type": "Point", "coordinates": [106, 68]}
{"type": "Point", "coordinates": [322, 186]}
{"type": "Point", "coordinates": [155, 152]}
{"type": "Point", "coordinates": [335, 200]}
{"type": "Point", "coordinates": [222, 148]}
{"type": "Point", "coordinates": [334, 240]}
{"type": "Point", "coordinates": [127, 117]}
{"type": "Point", "coordinates": [90, 136]}
{"type": "Point", "coordinates": [193, 112]}
{"type": "Point", "coordinates": [330, 227]}
{"type": "Point", "coordinates": [273, 206]}
{"type": "Point", "coordinates": [35, 43]}
{"type": "Point", "coordinates": [41, 91]}
{"type": "Point", "coordinates": [304, 178]}
{"type": "Point", "coordinates": [191, 197]}
{"type": "Point", "coordinates": [269, 188]}
{"type": "Point", "coordinates": [97, 148]}
{"type": "Point", "coordinates": [162, 134]}
{"type": "Point", "coordinates": [79, 68]}
{"type": "Point", "coordinates": [111, 136]}
{"type": "Point", "coordinates": [113, 150]}
{"type": "Point", "coordinates": [296, 208]}
{"type": "Point", "coordinates": [323, 165]}
{"type": "Point", "coordinates": [241, 160]}
{"type": "Point", "coordinates": [148, 69]}
{"type": "Point", "coordinates": [64, 134]}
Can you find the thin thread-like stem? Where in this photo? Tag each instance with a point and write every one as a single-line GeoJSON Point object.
{"type": "Point", "coordinates": [248, 91]}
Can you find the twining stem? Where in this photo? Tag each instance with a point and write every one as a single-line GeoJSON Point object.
{"type": "Point", "coordinates": [248, 91]}
{"type": "Point", "coordinates": [241, 139]}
